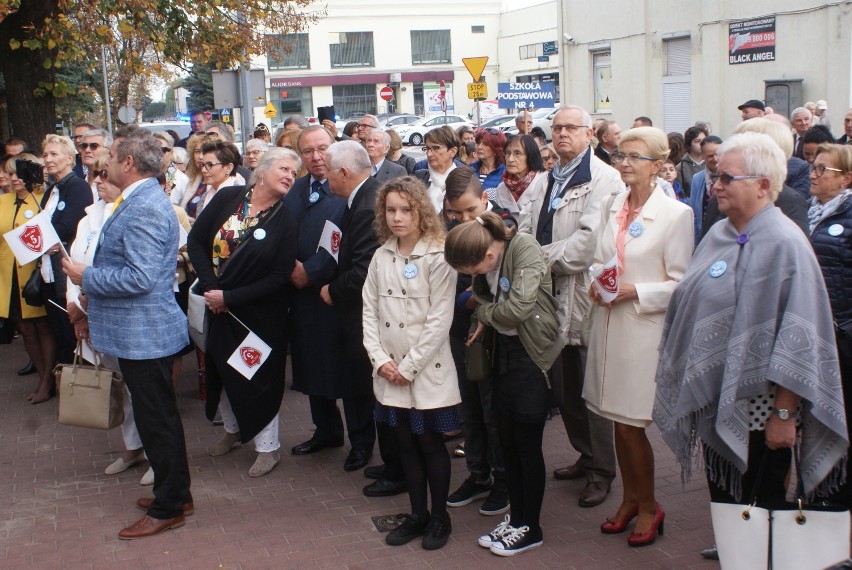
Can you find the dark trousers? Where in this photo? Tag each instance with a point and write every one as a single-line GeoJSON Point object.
{"type": "Point", "coordinates": [844, 352]}
{"type": "Point", "coordinates": [158, 421]}
{"type": "Point", "coordinates": [590, 434]}
{"type": "Point", "coordinates": [771, 485]}
{"type": "Point", "coordinates": [63, 331]}
{"type": "Point", "coordinates": [479, 423]}
{"type": "Point", "coordinates": [360, 422]}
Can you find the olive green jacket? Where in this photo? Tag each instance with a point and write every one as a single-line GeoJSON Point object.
{"type": "Point", "coordinates": [528, 305]}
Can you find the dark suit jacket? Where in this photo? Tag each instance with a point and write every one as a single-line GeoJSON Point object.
{"type": "Point", "coordinates": [791, 203]}
{"type": "Point", "coordinates": [799, 176]}
{"type": "Point", "coordinates": [389, 171]}
{"type": "Point", "coordinates": [357, 246]}
{"type": "Point", "coordinates": [603, 155]}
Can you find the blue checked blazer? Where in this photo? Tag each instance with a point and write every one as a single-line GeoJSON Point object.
{"type": "Point", "coordinates": [132, 309]}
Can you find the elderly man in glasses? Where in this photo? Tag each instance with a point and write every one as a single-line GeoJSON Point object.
{"type": "Point", "coordinates": [363, 127]}
{"type": "Point", "coordinates": [93, 143]}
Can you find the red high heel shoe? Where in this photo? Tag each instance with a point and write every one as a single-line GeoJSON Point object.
{"type": "Point", "coordinates": [618, 526]}
{"type": "Point", "coordinates": [645, 538]}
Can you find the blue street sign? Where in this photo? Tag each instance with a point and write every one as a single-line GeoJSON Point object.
{"type": "Point", "coordinates": [525, 95]}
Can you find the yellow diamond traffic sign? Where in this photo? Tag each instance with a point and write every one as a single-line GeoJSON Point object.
{"type": "Point", "coordinates": [477, 90]}
{"type": "Point", "coordinates": [475, 65]}
{"type": "Point", "coordinates": [270, 110]}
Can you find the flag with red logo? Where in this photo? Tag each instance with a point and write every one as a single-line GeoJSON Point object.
{"type": "Point", "coordinates": [250, 355]}
{"type": "Point", "coordinates": [330, 239]}
{"type": "Point", "coordinates": [31, 240]}
{"type": "Point", "coordinates": [605, 278]}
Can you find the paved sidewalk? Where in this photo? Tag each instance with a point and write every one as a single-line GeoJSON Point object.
{"type": "Point", "coordinates": [59, 510]}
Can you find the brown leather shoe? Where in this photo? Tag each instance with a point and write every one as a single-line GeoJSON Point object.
{"type": "Point", "coordinates": [594, 494]}
{"type": "Point", "coordinates": [571, 472]}
{"type": "Point", "coordinates": [146, 526]}
{"type": "Point", "coordinates": [145, 503]}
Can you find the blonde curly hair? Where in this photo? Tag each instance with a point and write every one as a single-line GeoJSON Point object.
{"type": "Point", "coordinates": [417, 195]}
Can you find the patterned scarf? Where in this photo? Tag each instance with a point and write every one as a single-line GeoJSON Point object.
{"type": "Point", "coordinates": [517, 186]}
{"type": "Point", "coordinates": [562, 173]}
{"type": "Point", "coordinates": [818, 212]}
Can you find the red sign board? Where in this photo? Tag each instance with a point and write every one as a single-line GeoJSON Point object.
{"type": "Point", "coordinates": [386, 93]}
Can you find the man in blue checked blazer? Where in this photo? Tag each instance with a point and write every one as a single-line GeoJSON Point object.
{"type": "Point", "coordinates": [133, 315]}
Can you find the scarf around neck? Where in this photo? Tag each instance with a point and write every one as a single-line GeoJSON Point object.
{"type": "Point", "coordinates": [518, 186]}
{"type": "Point", "coordinates": [725, 339]}
{"type": "Point", "coordinates": [562, 173]}
{"type": "Point", "coordinates": [818, 212]}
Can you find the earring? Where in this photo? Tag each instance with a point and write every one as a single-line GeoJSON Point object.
{"type": "Point", "coordinates": [261, 181]}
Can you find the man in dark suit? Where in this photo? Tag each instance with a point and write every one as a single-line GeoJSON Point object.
{"type": "Point", "coordinates": [800, 118]}
{"type": "Point", "coordinates": [317, 333]}
{"type": "Point", "coordinates": [349, 178]}
{"type": "Point", "coordinates": [847, 127]}
{"type": "Point", "coordinates": [198, 119]}
{"type": "Point", "coordinates": [133, 315]}
{"type": "Point", "coordinates": [377, 144]}
{"type": "Point", "coordinates": [608, 134]}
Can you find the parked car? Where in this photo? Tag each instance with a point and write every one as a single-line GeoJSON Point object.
{"type": "Point", "coordinates": [502, 122]}
{"type": "Point", "coordinates": [415, 132]}
{"type": "Point", "coordinates": [181, 128]}
{"type": "Point", "coordinates": [396, 121]}
{"type": "Point", "coordinates": [541, 118]}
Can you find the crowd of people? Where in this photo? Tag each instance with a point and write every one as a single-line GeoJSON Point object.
{"type": "Point", "coordinates": [619, 278]}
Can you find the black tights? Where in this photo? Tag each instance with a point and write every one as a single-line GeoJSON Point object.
{"type": "Point", "coordinates": [525, 471]}
{"type": "Point", "coordinates": [425, 459]}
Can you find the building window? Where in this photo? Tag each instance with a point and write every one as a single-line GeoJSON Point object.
{"type": "Point", "coordinates": [554, 77]}
{"type": "Point", "coordinates": [531, 51]}
{"type": "Point", "coordinates": [351, 99]}
{"type": "Point", "coordinates": [291, 101]}
{"type": "Point", "coordinates": [477, 29]}
{"type": "Point", "coordinates": [602, 66]}
{"type": "Point", "coordinates": [291, 52]}
{"type": "Point", "coordinates": [430, 46]}
{"type": "Point", "coordinates": [351, 49]}
{"type": "Point", "coordinates": [677, 90]}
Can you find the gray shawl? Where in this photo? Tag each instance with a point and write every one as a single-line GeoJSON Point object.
{"type": "Point", "coordinates": [766, 318]}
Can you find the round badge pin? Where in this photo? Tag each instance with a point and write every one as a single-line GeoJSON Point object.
{"type": "Point", "coordinates": [718, 269]}
{"type": "Point", "coordinates": [60, 206]}
{"type": "Point", "coordinates": [313, 197]}
{"type": "Point", "coordinates": [635, 229]}
{"type": "Point", "coordinates": [742, 239]}
{"type": "Point", "coordinates": [260, 234]}
{"type": "Point", "coordinates": [409, 271]}
{"type": "Point", "coordinates": [555, 203]}
{"type": "Point", "coordinates": [196, 199]}
{"type": "Point", "coordinates": [28, 214]}
{"type": "Point", "coordinates": [504, 284]}
{"type": "Point", "coordinates": [835, 230]}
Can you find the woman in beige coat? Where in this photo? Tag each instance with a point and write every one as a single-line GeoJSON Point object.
{"type": "Point", "coordinates": [408, 309]}
{"type": "Point", "coordinates": [648, 233]}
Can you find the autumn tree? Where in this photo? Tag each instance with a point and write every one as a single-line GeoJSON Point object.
{"type": "Point", "coordinates": [40, 37]}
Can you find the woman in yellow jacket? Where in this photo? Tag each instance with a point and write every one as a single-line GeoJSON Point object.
{"type": "Point", "coordinates": [16, 208]}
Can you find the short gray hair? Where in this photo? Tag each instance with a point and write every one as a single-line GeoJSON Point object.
{"type": "Point", "coordinates": [587, 119]}
{"type": "Point", "coordinates": [797, 111]}
{"type": "Point", "coordinates": [385, 137]}
{"type": "Point", "coordinates": [349, 155]}
{"type": "Point", "coordinates": [103, 133]}
{"type": "Point", "coordinates": [374, 119]}
{"type": "Point", "coordinates": [301, 122]}
{"type": "Point", "coordinates": [165, 137]}
{"type": "Point", "coordinates": [142, 146]}
{"type": "Point", "coordinates": [268, 160]}
{"type": "Point", "coordinates": [260, 144]}
{"type": "Point", "coordinates": [224, 129]}
{"type": "Point", "coordinates": [761, 157]}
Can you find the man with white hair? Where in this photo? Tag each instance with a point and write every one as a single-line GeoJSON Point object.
{"type": "Point", "coordinates": [363, 127]}
{"type": "Point", "coordinates": [377, 144]}
{"type": "Point", "coordinates": [800, 118]}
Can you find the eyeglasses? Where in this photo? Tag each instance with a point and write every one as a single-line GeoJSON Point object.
{"type": "Point", "coordinates": [556, 129]}
{"type": "Point", "coordinates": [365, 126]}
{"type": "Point", "coordinates": [306, 152]}
{"type": "Point", "coordinates": [632, 159]}
{"type": "Point", "coordinates": [254, 153]}
{"type": "Point", "coordinates": [75, 138]}
{"type": "Point", "coordinates": [515, 153]}
{"type": "Point", "coordinates": [212, 133]}
{"type": "Point", "coordinates": [165, 149]}
{"type": "Point", "coordinates": [93, 146]}
{"type": "Point", "coordinates": [725, 179]}
{"type": "Point", "coordinates": [208, 165]}
{"type": "Point", "coordinates": [433, 148]}
{"type": "Point", "coordinates": [819, 170]}
{"type": "Point", "coordinates": [102, 174]}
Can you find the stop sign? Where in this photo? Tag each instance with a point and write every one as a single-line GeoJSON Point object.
{"type": "Point", "coordinates": [386, 93]}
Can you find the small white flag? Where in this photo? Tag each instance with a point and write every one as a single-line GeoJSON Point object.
{"type": "Point", "coordinates": [31, 240]}
{"type": "Point", "coordinates": [89, 354]}
{"type": "Point", "coordinates": [330, 239]}
{"type": "Point", "coordinates": [250, 355]}
{"type": "Point", "coordinates": [605, 278]}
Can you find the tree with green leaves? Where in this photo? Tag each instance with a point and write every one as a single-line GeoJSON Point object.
{"type": "Point", "coordinates": [40, 37]}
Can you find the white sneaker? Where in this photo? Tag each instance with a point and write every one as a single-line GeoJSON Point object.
{"type": "Point", "coordinates": [515, 541]}
{"type": "Point", "coordinates": [148, 477]}
{"type": "Point", "coordinates": [486, 540]}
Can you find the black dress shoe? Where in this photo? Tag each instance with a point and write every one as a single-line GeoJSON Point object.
{"type": "Point", "coordinates": [357, 459]}
{"type": "Point", "coordinates": [574, 471]}
{"type": "Point", "coordinates": [28, 369]}
{"type": "Point", "coordinates": [314, 445]}
{"type": "Point", "coordinates": [374, 471]}
{"type": "Point", "coordinates": [385, 488]}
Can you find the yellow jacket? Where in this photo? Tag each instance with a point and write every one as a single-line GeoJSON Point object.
{"type": "Point", "coordinates": [9, 221]}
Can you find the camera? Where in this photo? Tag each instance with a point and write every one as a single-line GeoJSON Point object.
{"type": "Point", "coordinates": [31, 173]}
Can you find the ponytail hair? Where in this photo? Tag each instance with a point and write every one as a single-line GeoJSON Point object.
{"type": "Point", "coordinates": [467, 243]}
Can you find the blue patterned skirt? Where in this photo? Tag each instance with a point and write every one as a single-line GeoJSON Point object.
{"type": "Point", "coordinates": [439, 420]}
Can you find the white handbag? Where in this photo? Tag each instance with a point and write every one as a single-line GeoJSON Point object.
{"type": "Point", "coordinates": [198, 318]}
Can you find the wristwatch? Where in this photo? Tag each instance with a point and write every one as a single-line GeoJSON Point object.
{"type": "Point", "coordinates": [782, 413]}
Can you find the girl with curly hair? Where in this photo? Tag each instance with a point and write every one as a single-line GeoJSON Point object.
{"type": "Point", "coordinates": [408, 310]}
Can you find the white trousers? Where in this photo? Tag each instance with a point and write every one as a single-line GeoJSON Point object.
{"type": "Point", "coordinates": [265, 441]}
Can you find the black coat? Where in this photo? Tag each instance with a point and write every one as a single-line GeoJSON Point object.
{"type": "Point", "coordinates": [254, 284]}
{"type": "Point", "coordinates": [603, 155]}
{"type": "Point", "coordinates": [791, 203]}
{"type": "Point", "coordinates": [316, 330]}
{"type": "Point", "coordinates": [834, 253]}
{"type": "Point", "coordinates": [357, 247]}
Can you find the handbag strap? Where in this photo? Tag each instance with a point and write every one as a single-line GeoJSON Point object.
{"type": "Point", "coordinates": [758, 478]}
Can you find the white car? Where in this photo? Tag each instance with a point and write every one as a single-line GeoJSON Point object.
{"type": "Point", "coordinates": [415, 132]}
{"type": "Point", "coordinates": [503, 122]}
{"type": "Point", "coordinates": [541, 118]}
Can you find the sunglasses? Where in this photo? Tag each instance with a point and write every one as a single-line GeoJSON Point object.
{"type": "Point", "coordinates": [93, 146]}
{"type": "Point", "coordinates": [102, 174]}
{"type": "Point", "coordinates": [165, 149]}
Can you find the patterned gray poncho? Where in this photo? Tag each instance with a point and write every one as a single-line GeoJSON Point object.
{"type": "Point", "coordinates": [747, 312]}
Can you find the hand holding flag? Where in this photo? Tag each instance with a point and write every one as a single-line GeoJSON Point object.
{"type": "Point", "coordinates": [31, 240]}
{"type": "Point", "coordinates": [605, 279]}
{"type": "Point", "coordinates": [330, 239]}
